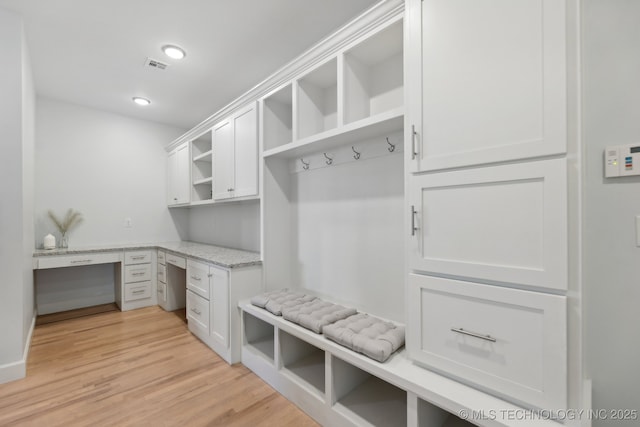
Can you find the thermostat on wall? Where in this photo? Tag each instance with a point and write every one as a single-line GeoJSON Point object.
{"type": "Point", "coordinates": [621, 160]}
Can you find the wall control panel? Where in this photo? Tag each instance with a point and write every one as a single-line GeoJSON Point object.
{"type": "Point", "coordinates": [622, 160]}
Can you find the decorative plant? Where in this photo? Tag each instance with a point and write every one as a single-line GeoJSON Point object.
{"type": "Point", "coordinates": [71, 219]}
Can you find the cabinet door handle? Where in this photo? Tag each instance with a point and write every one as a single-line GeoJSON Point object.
{"type": "Point", "coordinates": [196, 278]}
{"type": "Point", "coordinates": [209, 275]}
{"type": "Point", "coordinates": [196, 311]}
{"type": "Point", "coordinates": [138, 292]}
{"type": "Point", "coordinates": [413, 220]}
{"type": "Point", "coordinates": [414, 153]}
{"type": "Point", "coordinates": [473, 334]}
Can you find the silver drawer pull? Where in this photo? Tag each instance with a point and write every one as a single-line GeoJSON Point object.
{"type": "Point", "coordinates": [138, 291]}
{"type": "Point", "coordinates": [196, 278]}
{"type": "Point", "coordinates": [473, 334]}
{"type": "Point", "coordinates": [138, 274]}
{"type": "Point", "coordinates": [139, 257]}
{"type": "Point", "coordinates": [196, 311]}
{"type": "Point", "coordinates": [80, 261]}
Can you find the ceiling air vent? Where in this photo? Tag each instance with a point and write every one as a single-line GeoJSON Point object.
{"type": "Point", "coordinates": [154, 63]}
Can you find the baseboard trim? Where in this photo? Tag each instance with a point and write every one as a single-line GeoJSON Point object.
{"type": "Point", "coordinates": [18, 369]}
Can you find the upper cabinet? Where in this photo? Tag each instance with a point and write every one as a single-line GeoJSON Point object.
{"type": "Point", "coordinates": [492, 79]}
{"type": "Point", "coordinates": [235, 164]}
{"type": "Point", "coordinates": [178, 182]}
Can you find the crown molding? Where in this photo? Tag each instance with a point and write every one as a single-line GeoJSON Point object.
{"type": "Point", "coordinates": [380, 13]}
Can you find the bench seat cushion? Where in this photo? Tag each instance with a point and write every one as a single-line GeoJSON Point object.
{"type": "Point", "coordinates": [316, 314]}
{"type": "Point", "coordinates": [276, 301]}
{"type": "Point", "coordinates": [368, 335]}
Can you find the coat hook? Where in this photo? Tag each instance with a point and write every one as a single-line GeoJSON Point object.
{"type": "Point", "coordinates": [356, 155]}
{"type": "Point", "coordinates": [391, 147]}
{"type": "Point", "coordinates": [329, 159]}
{"type": "Point", "coordinates": [305, 165]}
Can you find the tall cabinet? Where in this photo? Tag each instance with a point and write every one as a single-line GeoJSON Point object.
{"type": "Point", "coordinates": [487, 146]}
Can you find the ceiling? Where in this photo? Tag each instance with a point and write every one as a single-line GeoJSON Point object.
{"type": "Point", "coordinates": [92, 52]}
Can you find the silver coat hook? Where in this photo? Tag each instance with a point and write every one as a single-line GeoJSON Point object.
{"type": "Point", "coordinates": [356, 155]}
{"type": "Point", "coordinates": [391, 147]}
{"type": "Point", "coordinates": [305, 165]}
{"type": "Point", "coordinates": [329, 160]}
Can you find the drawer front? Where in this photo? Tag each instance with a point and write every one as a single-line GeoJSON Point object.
{"type": "Point", "coordinates": [162, 273]}
{"type": "Point", "coordinates": [162, 293]}
{"type": "Point", "coordinates": [77, 260]}
{"type": "Point", "coordinates": [198, 278]}
{"type": "Point", "coordinates": [137, 257]}
{"type": "Point", "coordinates": [136, 291]}
{"type": "Point", "coordinates": [137, 273]}
{"type": "Point", "coordinates": [198, 311]}
{"type": "Point", "coordinates": [511, 341]}
{"type": "Point", "coordinates": [176, 260]}
{"type": "Point", "coordinates": [161, 257]}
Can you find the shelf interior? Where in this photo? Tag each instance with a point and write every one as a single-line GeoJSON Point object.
{"type": "Point", "coordinates": [202, 191]}
{"type": "Point", "coordinates": [303, 360]}
{"type": "Point", "coordinates": [278, 118]}
{"type": "Point", "coordinates": [374, 80]}
{"type": "Point", "coordinates": [259, 335]}
{"type": "Point", "coordinates": [201, 144]}
{"type": "Point", "coordinates": [367, 398]}
{"type": "Point", "coordinates": [318, 100]}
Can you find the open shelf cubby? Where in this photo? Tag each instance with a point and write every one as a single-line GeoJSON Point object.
{"type": "Point", "coordinates": [278, 118]}
{"type": "Point", "coordinates": [430, 415]}
{"type": "Point", "coordinates": [305, 362]}
{"type": "Point", "coordinates": [366, 399]}
{"type": "Point", "coordinates": [373, 75]}
{"type": "Point", "coordinates": [259, 336]}
{"type": "Point", "coordinates": [318, 100]}
{"type": "Point", "coordinates": [201, 169]}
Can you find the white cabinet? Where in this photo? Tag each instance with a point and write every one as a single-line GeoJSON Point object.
{"type": "Point", "coordinates": [491, 81]}
{"type": "Point", "coordinates": [511, 341]}
{"type": "Point", "coordinates": [501, 223]}
{"type": "Point", "coordinates": [178, 173]}
{"type": "Point", "coordinates": [139, 281]}
{"type": "Point", "coordinates": [201, 169]}
{"type": "Point", "coordinates": [212, 297]}
{"type": "Point", "coordinates": [235, 159]}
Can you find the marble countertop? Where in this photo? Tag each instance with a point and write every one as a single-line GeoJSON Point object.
{"type": "Point", "coordinates": [224, 257]}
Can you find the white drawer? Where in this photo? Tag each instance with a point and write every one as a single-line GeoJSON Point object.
{"type": "Point", "coordinates": [511, 341]}
{"type": "Point", "coordinates": [53, 261]}
{"type": "Point", "coordinates": [176, 260]}
{"type": "Point", "coordinates": [137, 257]}
{"type": "Point", "coordinates": [137, 273]}
{"type": "Point", "coordinates": [162, 273]}
{"type": "Point", "coordinates": [198, 278]}
{"type": "Point", "coordinates": [136, 291]}
{"type": "Point", "coordinates": [161, 257]}
{"type": "Point", "coordinates": [197, 312]}
{"type": "Point", "coordinates": [162, 292]}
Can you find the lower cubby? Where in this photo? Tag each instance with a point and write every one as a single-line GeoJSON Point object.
{"type": "Point", "coordinates": [304, 362]}
{"type": "Point", "coordinates": [258, 336]}
{"type": "Point", "coordinates": [429, 415]}
{"type": "Point", "coordinates": [365, 399]}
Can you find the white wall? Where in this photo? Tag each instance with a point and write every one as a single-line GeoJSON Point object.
{"type": "Point", "coordinates": [16, 186]}
{"type": "Point", "coordinates": [107, 166]}
{"type": "Point", "coordinates": [348, 222]}
{"type": "Point", "coordinates": [234, 225]}
{"type": "Point", "coordinates": [611, 114]}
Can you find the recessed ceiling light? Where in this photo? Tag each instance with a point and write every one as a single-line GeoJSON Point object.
{"type": "Point", "coordinates": [141, 101]}
{"type": "Point", "coordinates": [173, 51]}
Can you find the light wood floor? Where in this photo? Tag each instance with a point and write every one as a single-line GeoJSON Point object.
{"type": "Point", "coordinates": [138, 368]}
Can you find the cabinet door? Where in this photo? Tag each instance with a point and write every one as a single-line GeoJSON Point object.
{"type": "Point", "coordinates": [183, 178]}
{"type": "Point", "coordinates": [503, 223]}
{"type": "Point", "coordinates": [246, 152]}
{"type": "Point", "coordinates": [223, 161]}
{"type": "Point", "coordinates": [172, 173]}
{"type": "Point", "coordinates": [491, 78]}
{"type": "Point", "coordinates": [220, 306]}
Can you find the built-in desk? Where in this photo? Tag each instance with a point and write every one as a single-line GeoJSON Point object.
{"type": "Point", "coordinates": [208, 279]}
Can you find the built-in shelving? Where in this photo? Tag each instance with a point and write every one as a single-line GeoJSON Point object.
{"type": "Point", "coordinates": [259, 337]}
{"type": "Point", "coordinates": [317, 95]}
{"type": "Point", "coordinates": [201, 169]}
{"type": "Point", "coordinates": [278, 118]}
{"type": "Point", "coordinates": [304, 362]}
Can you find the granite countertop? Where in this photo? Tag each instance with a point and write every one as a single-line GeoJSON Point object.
{"type": "Point", "coordinates": [224, 257]}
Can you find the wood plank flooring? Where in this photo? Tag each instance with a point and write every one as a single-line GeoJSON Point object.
{"type": "Point", "coordinates": [137, 368]}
